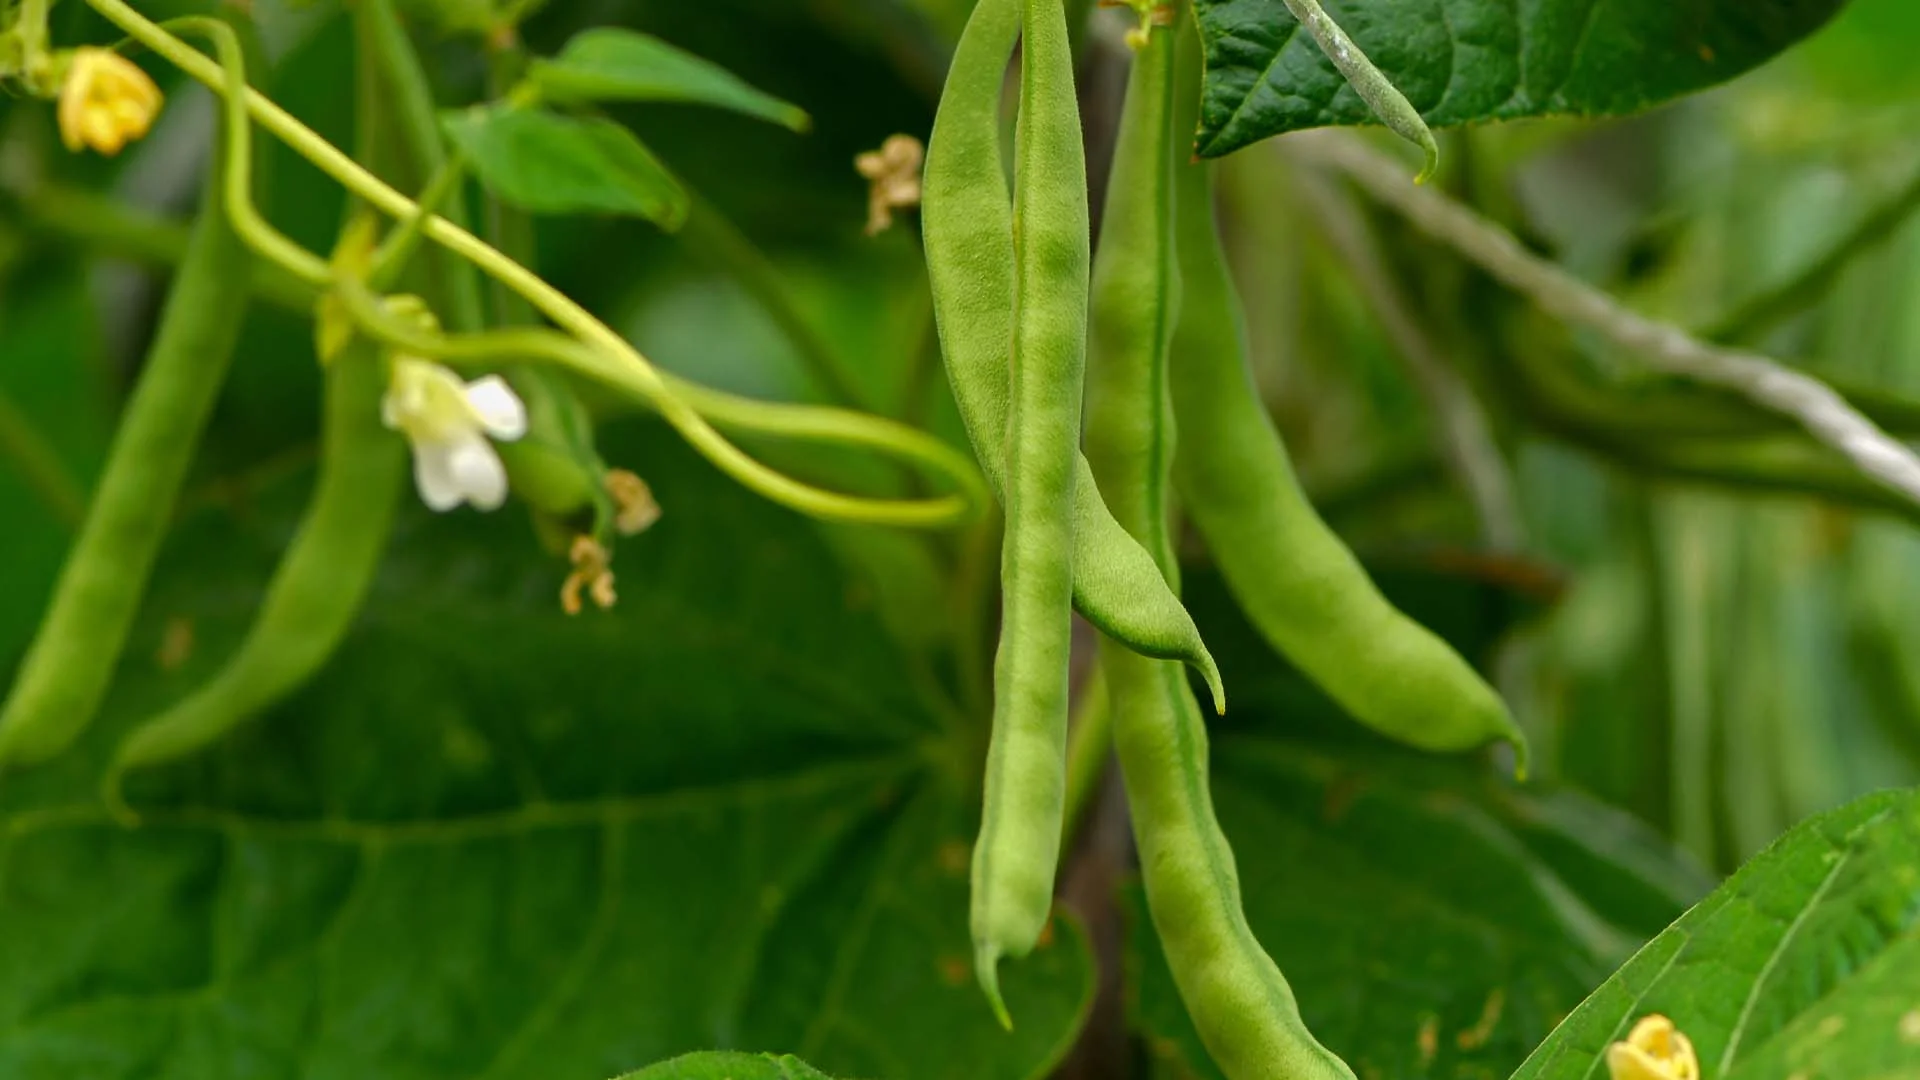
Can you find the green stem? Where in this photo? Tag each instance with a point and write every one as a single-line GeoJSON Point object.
{"type": "Point", "coordinates": [599, 352]}
{"type": "Point", "coordinates": [1752, 319]}
{"type": "Point", "coordinates": [688, 407]}
{"type": "Point", "coordinates": [424, 160]}
{"type": "Point", "coordinates": [1089, 750]}
{"type": "Point", "coordinates": [401, 244]}
{"type": "Point", "coordinates": [1781, 461]}
{"type": "Point", "coordinates": [507, 228]}
{"type": "Point", "coordinates": [713, 239]}
{"type": "Point", "coordinates": [113, 229]}
{"type": "Point", "coordinates": [39, 466]}
{"type": "Point", "coordinates": [632, 368]}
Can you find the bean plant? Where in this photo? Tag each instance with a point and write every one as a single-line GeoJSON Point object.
{"type": "Point", "coordinates": [959, 538]}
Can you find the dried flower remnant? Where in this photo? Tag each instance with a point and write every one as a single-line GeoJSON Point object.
{"type": "Point", "coordinates": [635, 510]}
{"type": "Point", "coordinates": [590, 574]}
{"type": "Point", "coordinates": [894, 173]}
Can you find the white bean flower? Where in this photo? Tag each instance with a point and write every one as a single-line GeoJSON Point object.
{"type": "Point", "coordinates": [449, 423]}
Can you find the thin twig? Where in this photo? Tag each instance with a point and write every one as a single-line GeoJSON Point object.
{"type": "Point", "coordinates": [1761, 313]}
{"type": "Point", "coordinates": [1816, 406]}
{"type": "Point", "coordinates": [1464, 435]}
{"type": "Point", "coordinates": [38, 465]}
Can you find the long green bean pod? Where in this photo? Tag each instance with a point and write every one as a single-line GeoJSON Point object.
{"type": "Point", "coordinates": [1018, 850]}
{"type": "Point", "coordinates": [1240, 1003]}
{"type": "Point", "coordinates": [1298, 583]}
{"type": "Point", "coordinates": [1136, 298]}
{"type": "Point", "coordinates": [73, 656]}
{"type": "Point", "coordinates": [968, 221]}
{"type": "Point", "coordinates": [319, 584]}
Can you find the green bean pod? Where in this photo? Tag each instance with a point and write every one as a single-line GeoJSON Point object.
{"type": "Point", "coordinates": [320, 582]}
{"type": "Point", "coordinates": [968, 222]}
{"type": "Point", "coordinates": [1389, 105]}
{"type": "Point", "coordinates": [1135, 301]}
{"type": "Point", "coordinates": [72, 660]}
{"type": "Point", "coordinates": [1018, 851]}
{"type": "Point", "coordinates": [1298, 583]}
{"type": "Point", "coordinates": [555, 468]}
{"type": "Point", "coordinates": [1240, 1003]}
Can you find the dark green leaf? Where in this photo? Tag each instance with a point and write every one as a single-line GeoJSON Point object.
{"type": "Point", "coordinates": [1806, 963]}
{"type": "Point", "coordinates": [1461, 61]}
{"type": "Point", "coordinates": [492, 841]}
{"type": "Point", "coordinates": [726, 1066]}
{"type": "Point", "coordinates": [613, 64]}
{"type": "Point", "coordinates": [50, 334]}
{"type": "Point", "coordinates": [550, 164]}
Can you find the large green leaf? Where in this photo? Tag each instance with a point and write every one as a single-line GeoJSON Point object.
{"type": "Point", "coordinates": [1460, 61]}
{"type": "Point", "coordinates": [550, 164]}
{"type": "Point", "coordinates": [493, 841]}
{"type": "Point", "coordinates": [729, 1066]}
{"type": "Point", "coordinates": [1434, 919]}
{"type": "Point", "coordinates": [1805, 964]}
{"type": "Point", "coordinates": [614, 64]}
{"type": "Point", "coordinates": [50, 399]}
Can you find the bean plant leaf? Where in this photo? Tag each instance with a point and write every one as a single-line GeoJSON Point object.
{"type": "Point", "coordinates": [492, 841]}
{"type": "Point", "coordinates": [1461, 61]}
{"type": "Point", "coordinates": [53, 435]}
{"type": "Point", "coordinates": [1805, 963]}
{"type": "Point", "coordinates": [730, 1066]}
{"type": "Point", "coordinates": [1435, 920]}
{"type": "Point", "coordinates": [550, 164]}
{"type": "Point", "coordinates": [615, 64]}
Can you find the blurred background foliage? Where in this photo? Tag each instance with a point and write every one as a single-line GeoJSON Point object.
{"type": "Point", "coordinates": [1717, 661]}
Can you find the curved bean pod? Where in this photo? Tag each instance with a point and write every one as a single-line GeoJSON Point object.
{"type": "Point", "coordinates": [968, 224]}
{"type": "Point", "coordinates": [73, 656]}
{"type": "Point", "coordinates": [1298, 583]}
{"type": "Point", "coordinates": [1018, 851]}
{"type": "Point", "coordinates": [320, 582]}
{"type": "Point", "coordinates": [1240, 1002]}
{"type": "Point", "coordinates": [1385, 99]}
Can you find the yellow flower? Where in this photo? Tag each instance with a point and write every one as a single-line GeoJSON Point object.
{"type": "Point", "coordinates": [106, 101]}
{"type": "Point", "coordinates": [1654, 1050]}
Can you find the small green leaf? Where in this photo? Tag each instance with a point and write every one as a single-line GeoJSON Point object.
{"type": "Point", "coordinates": [611, 64]}
{"type": "Point", "coordinates": [1461, 61]}
{"type": "Point", "coordinates": [729, 1066]}
{"type": "Point", "coordinates": [1805, 963]}
{"type": "Point", "coordinates": [549, 164]}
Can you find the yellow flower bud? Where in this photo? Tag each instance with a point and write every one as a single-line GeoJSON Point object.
{"type": "Point", "coordinates": [106, 101]}
{"type": "Point", "coordinates": [1654, 1050]}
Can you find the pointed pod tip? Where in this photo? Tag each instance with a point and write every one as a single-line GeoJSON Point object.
{"type": "Point", "coordinates": [1216, 686]}
{"type": "Point", "coordinates": [1431, 166]}
{"type": "Point", "coordinates": [113, 794]}
{"type": "Point", "coordinates": [1522, 754]}
{"type": "Point", "coordinates": [986, 967]}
